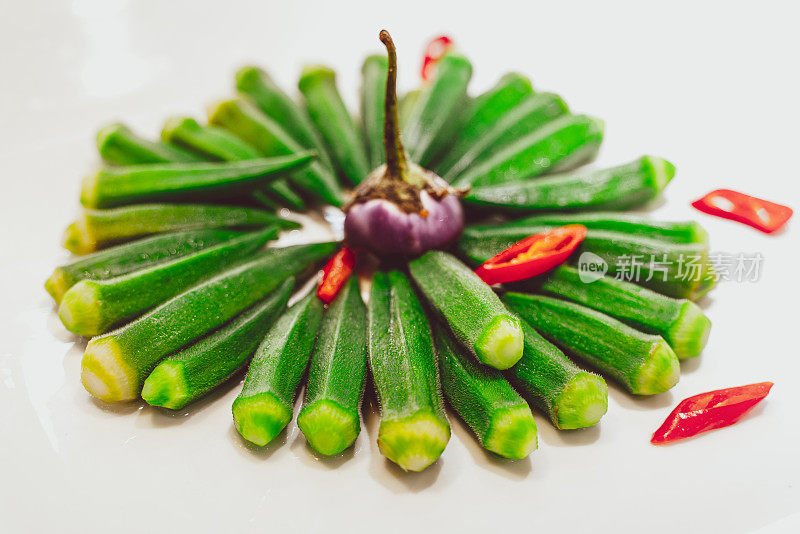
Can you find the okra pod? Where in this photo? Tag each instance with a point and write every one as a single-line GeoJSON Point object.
{"type": "Point", "coordinates": [124, 259]}
{"type": "Point", "coordinates": [341, 134]}
{"type": "Point", "coordinates": [221, 145]}
{"type": "Point", "coordinates": [196, 370]}
{"type": "Point", "coordinates": [679, 321]}
{"type": "Point", "coordinates": [271, 139]}
{"type": "Point", "coordinates": [138, 184]}
{"type": "Point", "coordinates": [98, 228]}
{"type": "Point", "coordinates": [643, 363]}
{"type": "Point", "coordinates": [531, 114]}
{"type": "Point", "coordinates": [264, 406]}
{"type": "Point", "coordinates": [92, 307]}
{"type": "Point", "coordinates": [373, 94]}
{"type": "Point", "coordinates": [118, 145]}
{"type": "Point", "coordinates": [561, 144]}
{"type": "Point", "coordinates": [622, 187]}
{"type": "Point", "coordinates": [433, 121]}
{"type": "Point", "coordinates": [571, 397]}
{"type": "Point", "coordinates": [472, 311]}
{"type": "Point", "coordinates": [483, 114]}
{"type": "Point", "coordinates": [115, 364]}
{"type": "Point", "coordinates": [413, 430]}
{"type": "Point", "coordinates": [500, 418]}
{"type": "Point", "coordinates": [330, 415]}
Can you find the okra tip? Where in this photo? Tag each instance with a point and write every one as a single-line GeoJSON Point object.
{"type": "Point", "coordinates": [312, 74]}
{"type": "Point", "coordinates": [106, 135]}
{"type": "Point", "coordinates": [660, 170]}
{"type": "Point", "coordinates": [688, 334]}
{"type": "Point", "coordinates": [260, 418]}
{"type": "Point", "coordinates": [76, 241]}
{"type": "Point", "coordinates": [166, 386]}
{"type": "Point", "coordinates": [104, 372]}
{"type": "Point", "coordinates": [248, 76]}
{"type": "Point", "coordinates": [501, 343]}
{"type": "Point", "coordinates": [89, 190]}
{"type": "Point", "coordinates": [174, 125]}
{"type": "Point", "coordinates": [80, 309]}
{"type": "Point", "coordinates": [582, 403]}
{"type": "Point", "coordinates": [512, 433]}
{"type": "Point", "coordinates": [328, 427]}
{"type": "Point", "coordinates": [413, 442]}
{"type": "Point", "coordinates": [659, 372]}
{"type": "Point", "coordinates": [57, 285]}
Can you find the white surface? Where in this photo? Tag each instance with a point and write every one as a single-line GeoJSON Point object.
{"type": "Point", "coordinates": [713, 89]}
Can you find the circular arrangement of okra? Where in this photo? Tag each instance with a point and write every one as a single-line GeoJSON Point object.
{"type": "Point", "coordinates": [179, 289]}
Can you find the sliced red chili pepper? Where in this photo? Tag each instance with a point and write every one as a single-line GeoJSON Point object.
{"type": "Point", "coordinates": [708, 411]}
{"type": "Point", "coordinates": [761, 214]}
{"type": "Point", "coordinates": [435, 51]}
{"type": "Point", "coordinates": [533, 255]}
{"type": "Point", "coordinates": [335, 274]}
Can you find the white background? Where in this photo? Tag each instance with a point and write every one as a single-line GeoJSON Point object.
{"type": "Point", "coordinates": [712, 87]}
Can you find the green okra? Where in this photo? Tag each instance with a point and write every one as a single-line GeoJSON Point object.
{"type": "Point", "coordinates": [373, 95]}
{"type": "Point", "coordinates": [271, 139]}
{"type": "Point", "coordinates": [92, 307]}
{"type": "Point", "coordinates": [341, 134]}
{"type": "Point", "coordinates": [500, 418]}
{"type": "Point", "coordinates": [622, 187]}
{"type": "Point", "coordinates": [679, 270]}
{"type": "Point", "coordinates": [264, 406]}
{"type": "Point", "coordinates": [413, 431]}
{"type": "Point", "coordinates": [680, 322]}
{"type": "Point", "coordinates": [118, 145]}
{"type": "Point", "coordinates": [204, 365]}
{"type": "Point", "coordinates": [472, 311]}
{"type": "Point", "coordinates": [559, 145]}
{"type": "Point", "coordinates": [571, 397]}
{"type": "Point", "coordinates": [330, 415]}
{"type": "Point", "coordinates": [115, 365]}
{"type": "Point", "coordinates": [677, 232]}
{"type": "Point", "coordinates": [529, 115]}
{"type": "Point", "coordinates": [124, 259]}
{"type": "Point", "coordinates": [139, 184]}
{"type": "Point", "coordinates": [643, 363]}
{"type": "Point", "coordinates": [483, 114]}
{"type": "Point", "coordinates": [433, 121]}
{"type": "Point", "coordinates": [97, 228]}
{"type": "Point", "coordinates": [221, 145]}
{"type": "Point", "coordinates": [260, 89]}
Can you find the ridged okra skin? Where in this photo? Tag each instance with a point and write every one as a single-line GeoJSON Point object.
{"type": "Point", "coordinates": [571, 397]}
{"type": "Point", "coordinates": [330, 415]}
{"type": "Point", "coordinates": [218, 144]}
{"type": "Point", "coordinates": [119, 186]}
{"type": "Point", "coordinates": [559, 145]}
{"type": "Point", "coordinates": [342, 135]}
{"type": "Point", "coordinates": [271, 139]}
{"type": "Point", "coordinates": [643, 363]}
{"type": "Point", "coordinates": [261, 90]}
{"type": "Point", "coordinates": [373, 95]}
{"type": "Point", "coordinates": [680, 322]}
{"type": "Point", "coordinates": [118, 145]}
{"type": "Point", "coordinates": [678, 270]}
{"type": "Point", "coordinates": [93, 307]}
{"type": "Point", "coordinates": [264, 407]}
{"type": "Point", "coordinates": [500, 418]}
{"type": "Point", "coordinates": [95, 229]}
{"type": "Point", "coordinates": [469, 307]}
{"type": "Point", "coordinates": [484, 112]}
{"type": "Point", "coordinates": [196, 370]}
{"type": "Point", "coordinates": [674, 231]}
{"type": "Point", "coordinates": [616, 188]}
{"type": "Point", "coordinates": [433, 120]}
{"type": "Point", "coordinates": [116, 364]}
{"type": "Point", "coordinates": [134, 256]}
{"type": "Point", "coordinates": [532, 113]}
{"type": "Point", "coordinates": [414, 429]}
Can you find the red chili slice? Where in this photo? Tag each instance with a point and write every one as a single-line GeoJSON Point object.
{"type": "Point", "coordinates": [761, 214]}
{"type": "Point", "coordinates": [435, 51]}
{"type": "Point", "coordinates": [533, 255]}
{"type": "Point", "coordinates": [335, 274]}
{"type": "Point", "coordinates": [709, 411]}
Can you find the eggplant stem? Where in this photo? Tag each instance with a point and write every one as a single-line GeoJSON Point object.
{"type": "Point", "coordinates": [396, 164]}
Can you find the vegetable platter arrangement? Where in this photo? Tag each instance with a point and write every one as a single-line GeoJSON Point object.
{"type": "Point", "coordinates": [465, 219]}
